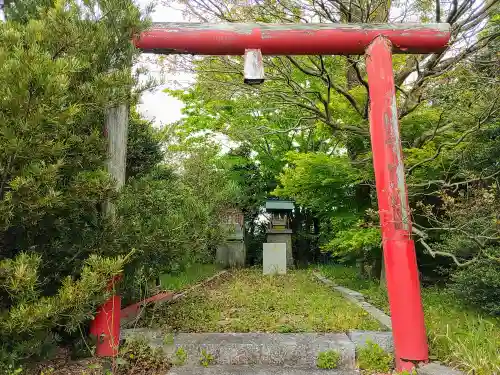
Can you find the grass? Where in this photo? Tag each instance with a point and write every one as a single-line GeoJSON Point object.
{"type": "Point", "coordinates": [247, 301]}
{"type": "Point", "coordinates": [328, 359]}
{"type": "Point", "coordinates": [372, 359]}
{"type": "Point", "coordinates": [349, 278]}
{"type": "Point", "coordinates": [180, 280]}
{"type": "Point", "coordinates": [458, 335]}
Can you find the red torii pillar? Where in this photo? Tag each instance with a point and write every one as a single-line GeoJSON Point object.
{"type": "Point", "coordinates": [378, 42]}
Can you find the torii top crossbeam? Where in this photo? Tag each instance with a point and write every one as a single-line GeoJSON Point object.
{"type": "Point", "coordinates": [289, 39]}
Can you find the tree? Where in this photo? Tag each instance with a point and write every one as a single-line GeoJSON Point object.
{"type": "Point", "coordinates": [329, 186]}
{"type": "Point", "coordinates": [262, 137]}
{"type": "Point", "coordinates": [62, 64]}
{"type": "Point", "coordinates": [442, 107]}
{"type": "Point", "coordinates": [329, 88]}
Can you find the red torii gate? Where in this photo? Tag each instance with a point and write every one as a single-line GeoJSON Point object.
{"type": "Point", "coordinates": [378, 42]}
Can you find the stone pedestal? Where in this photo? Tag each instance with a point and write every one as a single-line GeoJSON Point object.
{"type": "Point", "coordinates": [274, 259]}
{"type": "Point", "coordinates": [282, 236]}
{"type": "Point", "coordinates": [232, 253]}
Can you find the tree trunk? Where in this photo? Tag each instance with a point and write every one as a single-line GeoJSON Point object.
{"type": "Point", "coordinates": [315, 244]}
{"type": "Point", "coordinates": [376, 268]}
{"type": "Point", "coordinates": [300, 254]}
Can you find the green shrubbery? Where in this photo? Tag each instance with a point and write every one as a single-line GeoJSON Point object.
{"type": "Point", "coordinates": [479, 285]}
{"type": "Point", "coordinates": [458, 335]}
{"type": "Point", "coordinates": [143, 146]}
{"type": "Point", "coordinates": [137, 356]}
{"type": "Point", "coordinates": [57, 76]}
{"type": "Point", "coordinates": [27, 326]}
{"type": "Point", "coordinates": [61, 65]}
{"type": "Point", "coordinates": [167, 223]}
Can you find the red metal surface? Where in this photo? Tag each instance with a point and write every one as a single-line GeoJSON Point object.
{"type": "Point", "coordinates": [132, 311]}
{"type": "Point", "coordinates": [106, 327]}
{"type": "Point", "coordinates": [106, 324]}
{"type": "Point", "coordinates": [403, 284]}
{"type": "Point", "coordinates": [289, 39]}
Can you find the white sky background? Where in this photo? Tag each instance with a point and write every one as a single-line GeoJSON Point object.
{"type": "Point", "coordinates": [156, 105]}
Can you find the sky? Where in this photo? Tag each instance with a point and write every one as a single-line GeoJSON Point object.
{"type": "Point", "coordinates": [156, 105]}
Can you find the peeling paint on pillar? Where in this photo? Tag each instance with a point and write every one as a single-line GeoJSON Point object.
{"type": "Point", "coordinates": [395, 187]}
{"type": "Point", "coordinates": [399, 206]}
{"type": "Point", "coordinates": [410, 341]}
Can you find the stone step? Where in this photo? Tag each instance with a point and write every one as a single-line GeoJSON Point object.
{"type": "Point", "coordinates": [299, 350]}
{"type": "Point", "coordinates": [255, 370]}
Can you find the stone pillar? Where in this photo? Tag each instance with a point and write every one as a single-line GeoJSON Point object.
{"type": "Point", "coordinates": [116, 132]}
{"type": "Point", "coordinates": [274, 259]}
{"type": "Point", "coordinates": [282, 236]}
{"type": "Point", "coordinates": [232, 253]}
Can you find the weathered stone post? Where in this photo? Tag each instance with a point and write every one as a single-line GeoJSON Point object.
{"type": "Point", "coordinates": [232, 253]}
{"type": "Point", "coordinates": [116, 133]}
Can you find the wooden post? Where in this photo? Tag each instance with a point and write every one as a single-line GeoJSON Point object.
{"type": "Point", "coordinates": [106, 325]}
{"type": "Point", "coordinates": [117, 132]}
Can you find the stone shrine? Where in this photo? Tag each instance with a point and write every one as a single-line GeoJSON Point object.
{"type": "Point", "coordinates": [279, 229]}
